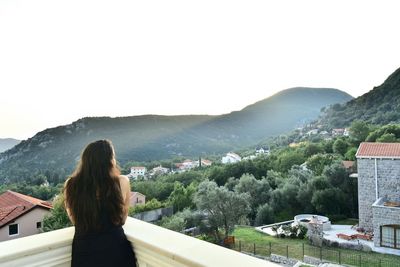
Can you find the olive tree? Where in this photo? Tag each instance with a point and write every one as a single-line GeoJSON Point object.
{"type": "Point", "coordinates": [224, 208]}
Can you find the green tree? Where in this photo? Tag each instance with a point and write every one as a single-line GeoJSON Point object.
{"type": "Point", "coordinates": [265, 215]}
{"type": "Point", "coordinates": [223, 207]}
{"type": "Point", "coordinates": [231, 183]}
{"type": "Point", "coordinates": [340, 146]}
{"type": "Point", "coordinates": [318, 162]}
{"type": "Point", "coordinates": [57, 218]}
{"type": "Point", "coordinates": [312, 149]}
{"type": "Point", "coordinates": [182, 197]}
{"type": "Point", "coordinates": [329, 201]}
{"type": "Point", "coordinates": [336, 174]}
{"type": "Point", "coordinates": [150, 205]}
{"type": "Point", "coordinates": [386, 133]}
{"type": "Point", "coordinates": [387, 138]}
{"type": "Point", "coordinates": [351, 154]}
{"type": "Point", "coordinates": [289, 158]}
{"type": "Point", "coordinates": [258, 189]}
{"type": "Point", "coordinates": [175, 223]}
{"type": "Point", "coordinates": [359, 131]}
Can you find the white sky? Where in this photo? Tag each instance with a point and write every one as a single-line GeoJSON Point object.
{"type": "Point", "coordinates": [63, 60]}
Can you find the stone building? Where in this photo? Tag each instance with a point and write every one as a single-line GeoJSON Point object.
{"type": "Point", "coordinates": [378, 167]}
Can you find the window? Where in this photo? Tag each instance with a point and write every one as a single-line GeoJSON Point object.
{"type": "Point", "coordinates": [39, 225]}
{"type": "Point", "coordinates": [390, 236]}
{"type": "Point", "coordinates": [13, 229]}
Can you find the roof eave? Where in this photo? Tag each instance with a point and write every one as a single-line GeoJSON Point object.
{"type": "Point", "coordinates": [377, 157]}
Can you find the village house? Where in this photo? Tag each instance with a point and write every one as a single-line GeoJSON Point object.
{"type": "Point", "coordinates": [136, 172]}
{"type": "Point", "coordinates": [378, 167]}
{"type": "Point", "coordinates": [21, 215]}
{"type": "Point", "coordinates": [136, 199]}
{"type": "Point", "coordinates": [231, 158]}
{"type": "Point", "coordinates": [189, 164]}
{"type": "Point", "coordinates": [262, 151]}
{"type": "Point", "coordinates": [204, 162]}
{"type": "Point", "coordinates": [312, 132]}
{"type": "Point", "coordinates": [159, 171]}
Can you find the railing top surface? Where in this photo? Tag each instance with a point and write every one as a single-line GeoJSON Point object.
{"type": "Point", "coordinates": [185, 249]}
{"type": "Point", "coordinates": [181, 248]}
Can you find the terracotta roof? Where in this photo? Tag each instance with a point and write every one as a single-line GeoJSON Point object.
{"type": "Point", "coordinates": [379, 150]}
{"type": "Point", "coordinates": [13, 205]}
{"type": "Point", "coordinates": [348, 164]}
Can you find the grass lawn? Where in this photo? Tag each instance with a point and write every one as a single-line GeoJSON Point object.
{"type": "Point", "coordinates": [265, 244]}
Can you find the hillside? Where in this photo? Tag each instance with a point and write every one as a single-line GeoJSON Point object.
{"type": "Point", "coordinates": [153, 137]}
{"type": "Point", "coordinates": [7, 143]}
{"type": "Point", "coordinates": [379, 106]}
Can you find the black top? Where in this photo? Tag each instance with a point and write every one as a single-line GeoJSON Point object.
{"type": "Point", "coordinates": [107, 247]}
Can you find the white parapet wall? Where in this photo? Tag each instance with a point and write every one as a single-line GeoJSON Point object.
{"type": "Point", "coordinates": [154, 247]}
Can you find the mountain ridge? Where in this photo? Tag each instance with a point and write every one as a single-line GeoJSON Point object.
{"type": "Point", "coordinates": [154, 137]}
{"type": "Point", "coordinates": [7, 143]}
{"type": "Point", "coordinates": [381, 105]}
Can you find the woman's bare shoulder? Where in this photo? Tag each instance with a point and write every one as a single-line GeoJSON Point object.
{"type": "Point", "coordinates": [124, 180]}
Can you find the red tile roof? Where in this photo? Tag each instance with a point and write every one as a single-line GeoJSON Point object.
{"type": "Point", "coordinates": [348, 164]}
{"type": "Point", "coordinates": [13, 205]}
{"type": "Point", "coordinates": [379, 150]}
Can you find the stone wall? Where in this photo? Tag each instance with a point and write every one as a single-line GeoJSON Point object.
{"type": "Point", "coordinates": [384, 216]}
{"type": "Point", "coordinates": [315, 233]}
{"type": "Point", "coordinates": [312, 260]}
{"type": "Point", "coordinates": [389, 179]}
{"type": "Point", "coordinates": [283, 260]}
{"type": "Point", "coordinates": [388, 171]}
{"type": "Point", "coordinates": [154, 215]}
{"type": "Point", "coordinates": [366, 191]}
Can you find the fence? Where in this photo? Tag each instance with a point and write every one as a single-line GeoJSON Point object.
{"type": "Point", "coordinates": [298, 251]}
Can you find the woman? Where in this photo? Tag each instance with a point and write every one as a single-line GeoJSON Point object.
{"type": "Point", "coordinates": [97, 203]}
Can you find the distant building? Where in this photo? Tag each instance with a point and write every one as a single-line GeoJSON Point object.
{"type": "Point", "coordinates": [137, 198]}
{"type": "Point", "coordinates": [312, 132]}
{"type": "Point", "coordinates": [159, 170]}
{"type": "Point", "coordinates": [137, 171]}
{"type": "Point", "coordinates": [21, 215]}
{"type": "Point", "coordinates": [338, 132]}
{"type": "Point", "coordinates": [346, 132]}
{"type": "Point", "coordinates": [179, 167]}
{"type": "Point", "coordinates": [206, 162]}
{"type": "Point", "coordinates": [262, 151]}
{"type": "Point", "coordinates": [251, 157]}
{"type": "Point", "coordinates": [231, 158]}
{"type": "Point", "coordinates": [188, 164]}
{"type": "Point", "coordinates": [304, 166]}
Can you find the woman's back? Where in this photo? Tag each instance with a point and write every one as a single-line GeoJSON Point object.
{"type": "Point", "coordinates": [97, 202]}
{"type": "Point", "coordinates": [106, 248]}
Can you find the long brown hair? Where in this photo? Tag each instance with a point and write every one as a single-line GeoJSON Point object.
{"type": "Point", "coordinates": [93, 186]}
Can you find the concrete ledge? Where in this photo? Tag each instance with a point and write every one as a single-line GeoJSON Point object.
{"type": "Point", "coordinates": [154, 246]}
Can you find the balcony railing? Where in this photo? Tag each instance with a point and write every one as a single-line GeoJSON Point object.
{"type": "Point", "coordinates": [154, 247]}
